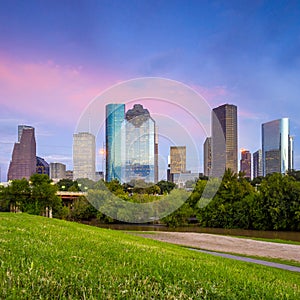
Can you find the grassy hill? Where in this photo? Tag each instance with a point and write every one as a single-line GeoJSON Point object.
{"type": "Point", "coordinates": [44, 258]}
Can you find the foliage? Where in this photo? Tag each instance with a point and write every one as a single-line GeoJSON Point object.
{"type": "Point", "coordinates": [43, 258]}
{"type": "Point", "coordinates": [165, 186]}
{"type": "Point", "coordinates": [33, 196]}
{"type": "Point", "coordinates": [68, 185]}
{"type": "Point", "coordinates": [274, 206]}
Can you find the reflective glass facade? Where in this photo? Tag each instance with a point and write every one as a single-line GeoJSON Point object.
{"type": "Point", "coordinates": [115, 114]}
{"type": "Point", "coordinates": [139, 144]}
{"type": "Point", "coordinates": [276, 147]}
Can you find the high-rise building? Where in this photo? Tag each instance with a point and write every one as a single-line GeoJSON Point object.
{"type": "Point", "coordinates": [277, 147]}
{"type": "Point", "coordinates": [84, 156]}
{"type": "Point", "coordinates": [115, 115]}
{"type": "Point", "coordinates": [207, 157]}
{"type": "Point", "coordinates": [139, 140]}
{"type": "Point", "coordinates": [177, 159]}
{"type": "Point", "coordinates": [20, 130]}
{"type": "Point", "coordinates": [245, 163]}
{"type": "Point", "coordinates": [224, 139]}
{"type": "Point", "coordinates": [57, 171]}
{"type": "Point", "coordinates": [42, 167]}
{"type": "Point", "coordinates": [23, 163]}
{"type": "Point", "coordinates": [257, 164]}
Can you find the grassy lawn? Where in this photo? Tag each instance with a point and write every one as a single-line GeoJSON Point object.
{"type": "Point", "coordinates": [44, 258]}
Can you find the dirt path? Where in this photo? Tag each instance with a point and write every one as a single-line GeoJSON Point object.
{"type": "Point", "coordinates": [222, 243]}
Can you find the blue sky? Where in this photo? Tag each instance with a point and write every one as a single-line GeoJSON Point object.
{"type": "Point", "coordinates": [56, 56]}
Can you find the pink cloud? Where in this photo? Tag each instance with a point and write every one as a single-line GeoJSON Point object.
{"type": "Point", "coordinates": [56, 92]}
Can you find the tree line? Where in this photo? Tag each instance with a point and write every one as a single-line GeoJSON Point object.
{"type": "Point", "coordinates": [265, 203]}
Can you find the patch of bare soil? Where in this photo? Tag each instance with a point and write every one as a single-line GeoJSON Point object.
{"type": "Point", "coordinates": [222, 243]}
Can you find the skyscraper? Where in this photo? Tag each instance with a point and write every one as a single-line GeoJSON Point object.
{"type": "Point", "coordinates": [224, 139]}
{"type": "Point", "coordinates": [84, 160]}
{"type": "Point", "coordinates": [277, 154]}
{"type": "Point", "coordinates": [257, 164]}
{"type": "Point", "coordinates": [207, 157]}
{"type": "Point", "coordinates": [245, 163]}
{"type": "Point", "coordinates": [115, 115]}
{"type": "Point", "coordinates": [177, 159]}
{"type": "Point", "coordinates": [23, 163]}
{"type": "Point", "coordinates": [139, 140]}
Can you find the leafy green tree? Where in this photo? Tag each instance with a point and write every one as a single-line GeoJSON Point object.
{"type": "Point", "coordinates": [43, 195]}
{"type": "Point", "coordinates": [17, 194]}
{"type": "Point", "coordinates": [165, 186]}
{"type": "Point", "coordinates": [68, 185]}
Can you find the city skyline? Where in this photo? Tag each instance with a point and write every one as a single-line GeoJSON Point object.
{"type": "Point", "coordinates": [246, 54]}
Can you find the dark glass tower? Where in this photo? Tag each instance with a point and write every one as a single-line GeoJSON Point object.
{"type": "Point", "coordinates": [23, 163]}
{"type": "Point", "coordinates": [224, 139]}
{"type": "Point", "coordinates": [115, 114]}
{"type": "Point", "coordinates": [277, 145]}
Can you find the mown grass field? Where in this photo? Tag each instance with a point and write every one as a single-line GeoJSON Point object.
{"type": "Point", "coordinates": [44, 258]}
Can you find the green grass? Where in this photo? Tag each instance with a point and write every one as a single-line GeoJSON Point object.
{"type": "Point", "coordinates": [44, 258]}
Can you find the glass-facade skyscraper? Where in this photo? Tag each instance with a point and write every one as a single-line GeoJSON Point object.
{"type": "Point", "coordinates": [139, 141]}
{"type": "Point", "coordinates": [277, 147]}
{"type": "Point", "coordinates": [115, 115]}
{"type": "Point", "coordinates": [257, 164]}
{"type": "Point", "coordinates": [224, 139]}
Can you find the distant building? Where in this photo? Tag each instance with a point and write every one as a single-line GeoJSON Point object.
{"type": "Point", "coordinates": [245, 163]}
{"type": "Point", "coordinates": [224, 139]}
{"type": "Point", "coordinates": [69, 174]}
{"type": "Point", "coordinates": [20, 130]}
{"type": "Point", "coordinates": [57, 171]}
{"type": "Point", "coordinates": [23, 163]}
{"type": "Point", "coordinates": [84, 155]}
{"type": "Point", "coordinates": [42, 167]}
{"type": "Point", "coordinates": [115, 115]}
{"type": "Point", "coordinates": [180, 179]}
{"type": "Point", "coordinates": [140, 142]}
{"type": "Point", "coordinates": [207, 157]}
{"type": "Point", "coordinates": [177, 159]}
{"type": "Point", "coordinates": [277, 147]}
{"type": "Point", "coordinates": [257, 164]}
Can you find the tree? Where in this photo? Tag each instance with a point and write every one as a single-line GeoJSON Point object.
{"type": "Point", "coordinates": [43, 195]}
{"type": "Point", "coordinates": [68, 185]}
{"type": "Point", "coordinates": [165, 186]}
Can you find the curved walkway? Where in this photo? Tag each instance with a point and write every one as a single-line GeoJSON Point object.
{"type": "Point", "coordinates": [209, 243]}
{"type": "Point", "coordinates": [251, 260]}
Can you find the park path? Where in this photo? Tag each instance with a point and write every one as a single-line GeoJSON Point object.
{"type": "Point", "coordinates": [221, 243]}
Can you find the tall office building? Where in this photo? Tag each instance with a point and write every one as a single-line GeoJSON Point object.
{"type": "Point", "coordinates": [23, 163]}
{"type": "Point", "coordinates": [277, 154]}
{"type": "Point", "coordinates": [84, 156]}
{"type": "Point", "coordinates": [177, 159]}
{"type": "Point", "coordinates": [115, 115]}
{"type": "Point", "coordinates": [245, 163]}
{"type": "Point", "coordinates": [20, 130]}
{"type": "Point", "coordinates": [224, 139]}
{"type": "Point", "coordinates": [57, 171]}
{"type": "Point", "coordinates": [42, 167]}
{"type": "Point", "coordinates": [207, 157]}
{"type": "Point", "coordinates": [257, 164]}
{"type": "Point", "coordinates": [139, 140]}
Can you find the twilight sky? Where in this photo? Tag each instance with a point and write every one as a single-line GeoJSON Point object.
{"type": "Point", "coordinates": [56, 56]}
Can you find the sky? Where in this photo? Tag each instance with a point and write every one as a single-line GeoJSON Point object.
{"type": "Point", "coordinates": [57, 56]}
